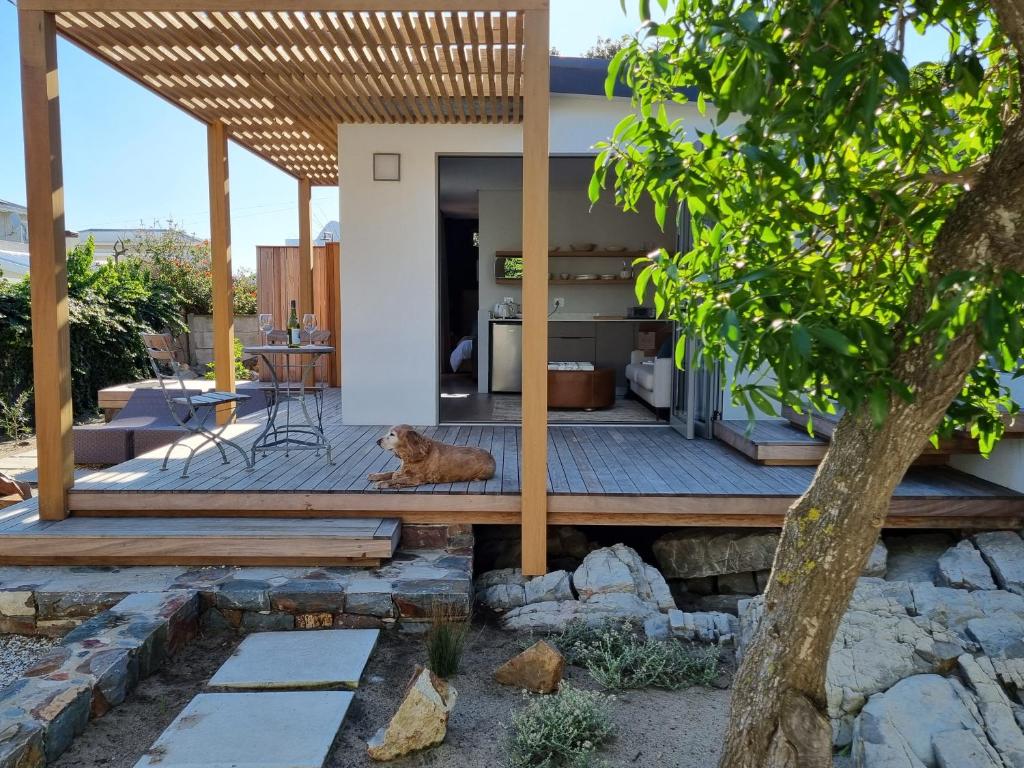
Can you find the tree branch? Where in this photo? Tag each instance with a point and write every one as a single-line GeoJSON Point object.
{"type": "Point", "coordinates": [1010, 14]}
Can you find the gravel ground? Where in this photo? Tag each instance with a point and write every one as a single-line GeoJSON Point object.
{"type": "Point", "coordinates": [18, 653]}
{"type": "Point", "coordinates": [661, 729]}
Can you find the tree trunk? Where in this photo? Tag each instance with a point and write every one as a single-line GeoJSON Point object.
{"type": "Point", "coordinates": [779, 717]}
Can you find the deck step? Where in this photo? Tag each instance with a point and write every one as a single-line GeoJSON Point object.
{"type": "Point", "coordinates": [824, 425]}
{"type": "Point", "coordinates": [363, 542]}
{"type": "Point", "coordinates": [773, 443]}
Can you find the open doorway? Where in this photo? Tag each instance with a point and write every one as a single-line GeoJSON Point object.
{"type": "Point", "coordinates": [610, 360]}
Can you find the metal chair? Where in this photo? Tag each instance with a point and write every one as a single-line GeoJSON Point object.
{"type": "Point", "coordinates": [198, 406]}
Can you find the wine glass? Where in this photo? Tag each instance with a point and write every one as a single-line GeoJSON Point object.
{"type": "Point", "coordinates": [266, 321]}
{"type": "Point", "coordinates": [309, 324]}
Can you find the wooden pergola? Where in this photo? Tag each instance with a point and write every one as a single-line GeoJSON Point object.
{"type": "Point", "coordinates": [278, 77]}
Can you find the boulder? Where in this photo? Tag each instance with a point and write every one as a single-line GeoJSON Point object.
{"type": "Point", "coordinates": [876, 564]}
{"type": "Point", "coordinates": [996, 711]}
{"type": "Point", "coordinates": [709, 627]}
{"type": "Point", "coordinates": [552, 586]}
{"type": "Point", "coordinates": [915, 557]}
{"type": "Point", "coordinates": [877, 644]}
{"type": "Point", "coordinates": [553, 616]}
{"type": "Point", "coordinates": [963, 567]}
{"type": "Point", "coordinates": [687, 554]}
{"type": "Point", "coordinates": [538, 669]}
{"type": "Point", "coordinates": [421, 720]}
{"type": "Point", "coordinates": [502, 589]}
{"type": "Point", "coordinates": [737, 584]}
{"type": "Point", "coordinates": [502, 597]}
{"type": "Point", "coordinates": [620, 570]}
{"type": "Point", "coordinates": [916, 720]}
{"type": "Point", "coordinates": [1004, 553]}
{"type": "Point", "coordinates": [872, 651]}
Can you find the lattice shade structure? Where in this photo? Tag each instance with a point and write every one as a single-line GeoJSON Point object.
{"type": "Point", "coordinates": [281, 81]}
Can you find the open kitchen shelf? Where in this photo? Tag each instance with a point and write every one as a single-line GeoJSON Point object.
{"type": "Point", "coordinates": [577, 254]}
{"type": "Point", "coordinates": [570, 281]}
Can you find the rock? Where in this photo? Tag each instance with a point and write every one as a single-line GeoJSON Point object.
{"type": "Point", "coordinates": [877, 644]}
{"type": "Point", "coordinates": [538, 669]}
{"type": "Point", "coordinates": [874, 650]}
{"type": "Point", "coordinates": [421, 720]}
{"type": "Point", "coordinates": [543, 617]}
{"type": "Point", "coordinates": [552, 586]}
{"type": "Point", "coordinates": [915, 557]}
{"type": "Point", "coordinates": [718, 604]}
{"type": "Point", "coordinates": [996, 711]}
{"type": "Point", "coordinates": [657, 627]}
{"type": "Point", "coordinates": [570, 542]}
{"type": "Point", "coordinates": [963, 567]}
{"type": "Point", "coordinates": [552, 616]}
{"type": "Point", "coordinates": [952, 608]}
{"type": "Point", "coordinates": [898, 728]}
{"type": "Point", "coordinates": [1004, 553]}
{"type": "Point", "coordinates": [502, 597]}
{"type": "Point", "coordinates": [703, 627]}
{"type": "Point", "coordinates": [877, 560]}
{"type": "Point", "coordinates": [500, 576]}
{"type": "Point", "coordinates": [619, 569]}
{"type": "Point", "coordinates": [686, 554]}
{"type": "Point", "coordinates": [737, 584]}
{"type": "Point", "coordinates": [370, 597]}
{"type": "Point", "coordinates": [954, 749]}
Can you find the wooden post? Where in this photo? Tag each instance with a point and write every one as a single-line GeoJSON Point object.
{"type": "Point", "coordinates": [220, 253]}
{"type": "Point", "coordinates": [305, 297]}
{"type": "Point", "coordinates": [48, 261]}
{"type": "Point", "coordinates": [534, 472]}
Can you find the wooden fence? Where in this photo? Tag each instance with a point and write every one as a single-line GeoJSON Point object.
{"type": "Point", "coordinates": [277, 284]}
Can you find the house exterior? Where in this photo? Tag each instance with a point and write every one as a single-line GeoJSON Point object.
{"type": "Point", "coordinates": [13, 240]}
{"type": "Point", "coordinates": [110, 243]}
{"type": "Point", "coordinates": [372, 97]}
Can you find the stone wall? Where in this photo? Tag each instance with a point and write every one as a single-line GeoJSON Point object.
{"type": "Point", "coordinates": [200, 332]}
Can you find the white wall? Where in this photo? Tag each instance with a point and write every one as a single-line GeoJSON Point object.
{"type": "Point", "coordinates": [389, 291]}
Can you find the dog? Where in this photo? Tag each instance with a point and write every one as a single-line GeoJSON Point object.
{"type": "Point", "coordinates": [427, 461]}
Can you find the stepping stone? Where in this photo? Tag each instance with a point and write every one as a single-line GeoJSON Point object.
{"type": "Point", "coordinates": [251, 730]}
{"type": "Point", "coordinates": [327, 659]}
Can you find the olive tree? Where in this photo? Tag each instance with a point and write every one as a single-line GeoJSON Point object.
{"type": "Point", "coordinates": [858, 242]}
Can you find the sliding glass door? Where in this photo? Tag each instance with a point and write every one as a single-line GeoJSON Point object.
{"type": "Point", "coordinates": [696, 390]}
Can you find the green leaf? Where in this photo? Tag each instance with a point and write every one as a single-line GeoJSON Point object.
{"type": "Point", "coordinates": [833, 339]}
{"type": "Point", "coordinates": [878, 402]}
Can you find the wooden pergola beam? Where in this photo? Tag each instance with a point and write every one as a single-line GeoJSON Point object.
{"type": "Point", "coordinates": [48, 263]}
{"type": "Point", "coordinates": [220, 255]}
{"type": "Point", "coordinates": [346, 6]}
{"type": "Point", "coordinates": [534, 462]}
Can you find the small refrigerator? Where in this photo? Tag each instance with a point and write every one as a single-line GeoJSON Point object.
{"type": "Point", "coordinates": [506, 356]}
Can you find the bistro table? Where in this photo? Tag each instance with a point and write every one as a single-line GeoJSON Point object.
{"type": "Point", "coordinates": [306, 432]}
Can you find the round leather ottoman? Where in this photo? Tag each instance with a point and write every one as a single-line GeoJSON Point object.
{"type": "Point", "coordinates": [581, 390]}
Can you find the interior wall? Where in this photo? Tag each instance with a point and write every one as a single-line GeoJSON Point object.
{"type": "Point", "coordinates": [389, 237]}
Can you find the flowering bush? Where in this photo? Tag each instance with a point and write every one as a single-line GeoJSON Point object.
{"type": "Point", "coordinates": [563, 730]}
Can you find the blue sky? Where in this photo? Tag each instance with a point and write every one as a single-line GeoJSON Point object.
{"type": "Point", "coordinates": [130, 157]}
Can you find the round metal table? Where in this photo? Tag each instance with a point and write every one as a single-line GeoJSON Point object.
{"type": "Point", "coordinates": [281, 433]}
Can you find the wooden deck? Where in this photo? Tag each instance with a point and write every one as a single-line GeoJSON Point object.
{"type": "Point", "coordinates": [596, 475]}
{"type": "Point", "coordinates": [27, 540]}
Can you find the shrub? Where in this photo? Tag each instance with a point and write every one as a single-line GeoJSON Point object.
{"type": "Point", "coordinates": [618, 658]}
{"type": "Point", "coordinates": [446, 639]}
{"type": "Point", "coordinates": [563, 730]}
{"type": "Point", "coordinates": [14, 417]}
{"type": "Point", "coordinates": [241, 372]}
{"type": "Point", "coordinates": [108, 307]}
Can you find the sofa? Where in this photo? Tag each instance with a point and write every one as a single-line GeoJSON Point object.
{"type": "Point", "coordinates": [650, 378]}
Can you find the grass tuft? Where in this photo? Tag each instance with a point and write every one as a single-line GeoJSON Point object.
{"type": "Point", "coordinates": [618, 658]}
{"type": "Point", "coordinates": [563, 730]}
{"type": "Point", "coordinates": [446, 639]}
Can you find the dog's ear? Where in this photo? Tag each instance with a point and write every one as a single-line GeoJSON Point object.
{"type": "Point", "coordinates": [412, 446]}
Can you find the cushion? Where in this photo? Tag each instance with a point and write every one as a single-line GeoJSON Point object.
{"type": "Point", "coordinates": [644, 376]}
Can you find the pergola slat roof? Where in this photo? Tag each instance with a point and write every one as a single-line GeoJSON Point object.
{"type": "Point", "coordinates": [282, 80]}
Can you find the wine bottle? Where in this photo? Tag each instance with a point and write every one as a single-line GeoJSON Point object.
{"type": "Point", "coordinates": [293, 327]}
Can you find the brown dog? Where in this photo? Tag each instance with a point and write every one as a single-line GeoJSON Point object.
{"type": "Point", "coordinates": [427, 461]}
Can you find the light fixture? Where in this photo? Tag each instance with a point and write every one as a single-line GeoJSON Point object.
{"type": "Point", "coordinates": [387, 166]}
